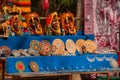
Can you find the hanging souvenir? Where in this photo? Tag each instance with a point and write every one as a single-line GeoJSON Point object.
{"type": "Point", "coordinates": [16, 25]}
{"type": "Point", "coordinates": [45, 48]}
{"type": "Point", "coordinates": [70, 46]}
{"type": "Point", "coordinates": [52, 24]}
{"type": "Point", "coordinates": [20, 67]}
{"type": "Point", "coordinates": [33, 23]}
{"type": "Point", "coordinates": [67, 20]}
{"type": "Point", "coordinates": [34, 66]}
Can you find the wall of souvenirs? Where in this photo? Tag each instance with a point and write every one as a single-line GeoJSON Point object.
{"type": "Point", "coordinates": [31, 47]}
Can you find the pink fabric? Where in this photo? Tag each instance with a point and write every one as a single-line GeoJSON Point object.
{"type": "Point", "coordinates": [106, 22]}
{"type": "Point", "coordinates": [88, 23]}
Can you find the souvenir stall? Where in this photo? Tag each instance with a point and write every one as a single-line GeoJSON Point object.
{"type": "Point", "coordinates": [30, 50]}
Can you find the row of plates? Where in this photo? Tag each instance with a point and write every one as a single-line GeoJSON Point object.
{"type": "Point", "coordinates": [58, 47]}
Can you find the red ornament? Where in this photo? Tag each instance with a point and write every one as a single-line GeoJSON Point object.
{"type": "Point", "coordinates": [45, 4]}
{"type": "Point", "coordinates": [20, 66]}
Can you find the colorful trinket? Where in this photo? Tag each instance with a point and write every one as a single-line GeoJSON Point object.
{"type": "Point", "coordinates": [45, 48]}
{"type": "Point", "coordinates": [34, 66]}
{"type": "Point", "coordinates": [20, 67]}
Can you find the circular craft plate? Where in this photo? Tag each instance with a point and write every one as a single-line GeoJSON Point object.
{"type": "Point", "coordinates": [45, 47]}
{"type": "Point", "coordinates": [34, 66]}
{"type": "Point", "coordinates": [114, 63]}
{"type": "Point", "coordinates": [80, 43]}
{"type": "Point", "coordinates": [53, 48]}
{"type": "Point", "coordinates": [70, 46]}
{"type": "Point", "coordinates": [35, 45]}
{"type": "Point", "coordinates": [6, 50]}
{"type": "Point", "coordinates": [90, 46]}
{"type": "Point", "coordinates": [60, 47]}
{"type": "Point", "coordinates": [59, 44]}
{"type": "Point", "coordinates": [20, 67]}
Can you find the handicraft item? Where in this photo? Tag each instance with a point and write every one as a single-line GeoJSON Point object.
{"type": "Point", "coordinates": [34, 66]}
{"type": "Point", "coordinates": [34, 47]}
{"type": "Point", "coordinates": [67, 20]}
{"type": "Point", "coordinates": [45, 48]}
{"type": "Point", "coordinates": [16, 25]}
{"type": "Point", "coordinates": [90, 46]}
{"type": "Point", "coordinates": [52, 25]}
{"type": "Point", "coordinates": [20, 67]}
{"type": "Point", "coordinates": [5, 51]}
{"type": "Point", "coordinates": [60, 47]}
{"type": "Point", "coordinates": [70, 46]}
{"type": "Point", "coordinates": [11, 10]}
{"type": "Point", "coordinates": [81, 46]}
{"type": "Point", "coordinates": [114, 64]}
{"type": "Point", "coordinates": [33, 23]}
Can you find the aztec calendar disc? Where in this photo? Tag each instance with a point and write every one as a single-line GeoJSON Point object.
{"type": "Point", "coordinates": [45, 48]}
{"type": "Point", "coordinates": [70, 46]}
{"type": "Point", "coordinates": [34, 66]}
{"type": "Point", "coordinates": [20, 67]}
{"type": "Point", "coordinates": [90, 46]}
{"type": "Point", "coordinates": [81, 46]}
{"type": "Point", "coordinates": [6, 50]}
{"type": "Point", "coordinates": [35, 45]}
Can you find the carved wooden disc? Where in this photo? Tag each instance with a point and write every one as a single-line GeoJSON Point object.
{"type": "Point", "coordinates": [34, 66]}
{"type": "Point", "coordinates": [59, 46]}
{"type": "Point", "coordinates": [45, 48]}
{"type": "Point", "coordinates": [70, 46]}
{"type": "Point", "coordinates": [81, 46]}
{"type": "Point", "coordinates": [90, 46]}
{"type": "Point", "coordinates": [6, 50]}
{"type": "Point", "coordinates": [35, 45]}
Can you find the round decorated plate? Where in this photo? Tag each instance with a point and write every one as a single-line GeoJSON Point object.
{"type": "Point", "coordinates": [53, 49]}
{"type": "Point", "coordinates": [34, 66]}
{"type": "Point", "coordinates": [90, 46]}
{"type": "Point", "coordinates": [114, 63]}
{"type": "Point", "coordinates": [20, 67]}
{"type": "Point", "coordinates": [70, 46]}
{"type": "Point", "coordinates": [45, 48]}
{"type": "Point", "coordinates": [81, 46]}
{"type": "Point", "coordinates": [35, 45]}
{"type": "Point", "coordinates": [6, 51]}
{"type": "Point", "coordinates": [59, 44]}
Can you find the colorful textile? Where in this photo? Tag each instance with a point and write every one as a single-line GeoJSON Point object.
{"type": "Point", "coordinates": [106, 21]}
{"type": "Point", "coordinates": [25, 5]}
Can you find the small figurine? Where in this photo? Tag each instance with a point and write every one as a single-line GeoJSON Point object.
{"type": "Point", "coordinates": [33, 22]}
{"type": "Point", "coordinates": [67, 20]}
{"type": "Point", "coordinates": [52, 24]}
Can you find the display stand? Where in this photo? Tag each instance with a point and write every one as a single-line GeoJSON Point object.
{"type": "Point", "coordinates": [67, 76]}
